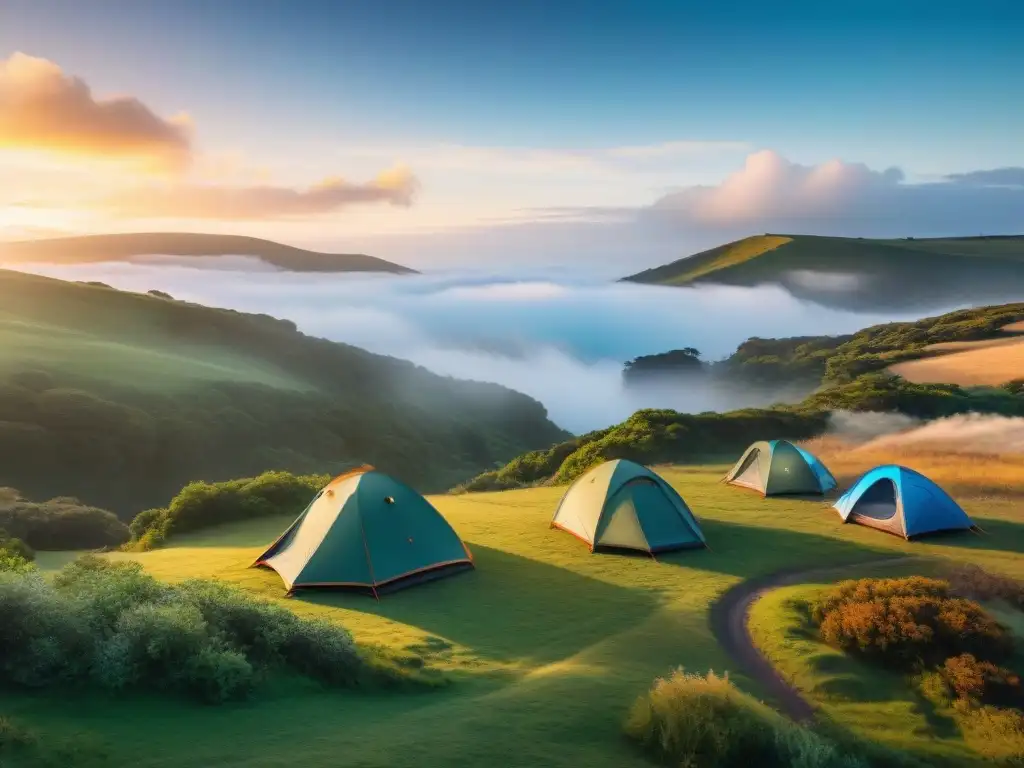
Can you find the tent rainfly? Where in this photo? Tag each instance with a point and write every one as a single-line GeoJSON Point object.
{"type": "Point", "coordinates": [622, 505]}
{"type": "Point", "coordinates": [366, 530]}
{"type": "Point", "coordinates": [902, 502]}
{"type": "Point", "coordinates": [778, 467]}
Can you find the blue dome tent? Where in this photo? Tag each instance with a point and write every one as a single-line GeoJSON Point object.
{"type": "Point", "coordinates": [902, 502]}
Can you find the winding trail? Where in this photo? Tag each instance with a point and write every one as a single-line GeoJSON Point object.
{"type": "Point", "coordinates": [729, 616]}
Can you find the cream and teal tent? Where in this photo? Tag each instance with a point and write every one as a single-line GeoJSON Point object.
{"type": "Point", "coordinates": [622, 505]}
{"type": "Point", "coordinates": [367, 530]}
{"type": "Point", "coordinates": [778, 467]}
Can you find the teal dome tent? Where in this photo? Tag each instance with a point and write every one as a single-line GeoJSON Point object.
{"type": "Point", "coordinates": [366, 530]}
{"type": "Point", "coordinates": [778, 467]}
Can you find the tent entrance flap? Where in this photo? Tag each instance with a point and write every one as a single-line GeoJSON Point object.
{"type": "Point", "coordinates": [878, 501]}
{"type": "Point", "coordinates": [749, 474]}
{"type": "Point", "coordinates": [623, 527]}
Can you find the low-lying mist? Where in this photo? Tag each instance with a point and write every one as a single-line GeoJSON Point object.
{"type": "Point", "coordinates": [558, 338]}
{"type": "Point", "coordinates": [970, 433]}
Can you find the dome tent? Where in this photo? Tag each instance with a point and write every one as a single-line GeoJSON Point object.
{"type": "Point", "coordinates": [778, 467]}
{"type": "Point", "coordinates": [367, 530]}
{"type": "Point", "coordinates": [622, 505]}
{"type": "Point", "coordinates": [902, 502]}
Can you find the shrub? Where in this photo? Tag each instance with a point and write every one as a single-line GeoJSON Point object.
{"type": "Point", "coordinates": [60, 524]}
{"type": "Point", "coordinates": [700, 721]}
{"type": "Point", "coordinates": [202, 505]}
{"type": "Point", "coordinates": [17, 547]}
{"type": "Point", "coordinates": [1015, 387]}
{"type": "Point", "coordinates": [111, 625]}
{"type": "Point", "coordinates": [981, 682]}
{"type": "Point", "coordinates": [908, 623]}
{"type": "Point", "coordinates": [12, 562]}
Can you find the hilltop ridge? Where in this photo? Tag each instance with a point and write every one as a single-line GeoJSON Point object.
{"type": "Point", "coordinates": [859, 273]}
{"type": "Point", "coordinates": [125, 247]}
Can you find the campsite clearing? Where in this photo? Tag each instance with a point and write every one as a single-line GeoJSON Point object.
{"type": "Point", "coordinates": [546, 644]}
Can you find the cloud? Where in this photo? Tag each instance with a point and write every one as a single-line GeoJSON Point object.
{"type": "Point", "coordinates": [42, 108]}
{"type": "Point", "coordinates": [1003, 177]}
{"type": "Point", "coordinates": [773, 194]}
{"type": "Point", "coordinates": [397, 186]}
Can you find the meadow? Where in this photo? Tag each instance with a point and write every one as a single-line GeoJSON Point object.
{"type": "Point", "coordinates": [546, 645]}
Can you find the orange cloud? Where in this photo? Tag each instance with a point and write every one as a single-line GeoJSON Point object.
{"type": "Point", "coordinates": [207, 201]}
{"type": "Point", "coordinates": [42, 108]}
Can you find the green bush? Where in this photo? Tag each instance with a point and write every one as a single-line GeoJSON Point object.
{"type": "Point", "coordinates": [59, 524]}
{"type": "Point", "coordinates": [112, 626]}
{"type": "Point", "coordinates": [17, 547]}
{"type": "Point", "coordinates": [703, 721]}
{"type": "Point", "coordinates": [908, 623]}
{"type": "Point", "coordinates": [202, 505]}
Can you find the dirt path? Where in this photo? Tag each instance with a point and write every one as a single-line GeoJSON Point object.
{"type": "Point", "coordinates": [729, 617]}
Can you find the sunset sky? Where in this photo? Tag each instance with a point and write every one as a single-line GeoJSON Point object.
{"type": "Point", "coordinates": [457, 132]}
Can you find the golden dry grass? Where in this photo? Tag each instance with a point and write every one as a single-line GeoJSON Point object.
{"type": "Point", "coordinates": [970, 475]}
{"type": "Point", "coordinates": [983, 364]}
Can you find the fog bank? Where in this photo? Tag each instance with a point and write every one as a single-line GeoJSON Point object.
{"type": "Point", "coordinates": [549, 334]}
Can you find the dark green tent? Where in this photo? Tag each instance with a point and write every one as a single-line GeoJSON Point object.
{"type": "Point", "coordinates": [778, 467]}
{"type": "Point", "coordinates": [366, 529]}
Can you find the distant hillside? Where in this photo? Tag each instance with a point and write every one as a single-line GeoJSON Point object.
{"type": "Point", "coordinates": [836, 373]}
{"type": "Point", "coordinates": [119, 399]}
{"type": "Point", "coordinates": [858, 273]}
{"type": "Point", "coordinates": [93, 248]}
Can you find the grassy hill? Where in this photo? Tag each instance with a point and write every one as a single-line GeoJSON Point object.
{"type": "Point", "coordinates": [120, 399]}
{"type": "Point", "coordinates": [860, 273]}
{"type": "Point", "coordinates": [125, 247]}
{"type": "Point", "coordinates": [546, 645]}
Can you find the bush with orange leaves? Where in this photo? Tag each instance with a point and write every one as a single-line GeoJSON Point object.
{"type": "Point", "coordinates": [911, 623]}
{"type": "Point", "coordinates": [980, 682]}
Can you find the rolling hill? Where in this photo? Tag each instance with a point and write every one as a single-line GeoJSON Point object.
{"type": "Point", "coordinates": [120, 398]}
{"type": "Point", "coordinates": [126, 247]}
{"type": "Point", "coordinates": [858, 273]}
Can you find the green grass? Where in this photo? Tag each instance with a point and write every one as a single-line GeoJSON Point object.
{"type": "Point", "coordinates": [152, 362]}
{"type": "Point", "coordinates": [724, 257]}
{"type": "Point", "coordinates": [546, 644]}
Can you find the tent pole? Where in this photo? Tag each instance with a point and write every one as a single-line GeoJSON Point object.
{"type": "Point", "coordinates": [369, 561]}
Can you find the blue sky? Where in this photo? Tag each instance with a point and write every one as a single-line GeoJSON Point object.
{"type": "Point", "coordinates": [491, 106]}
